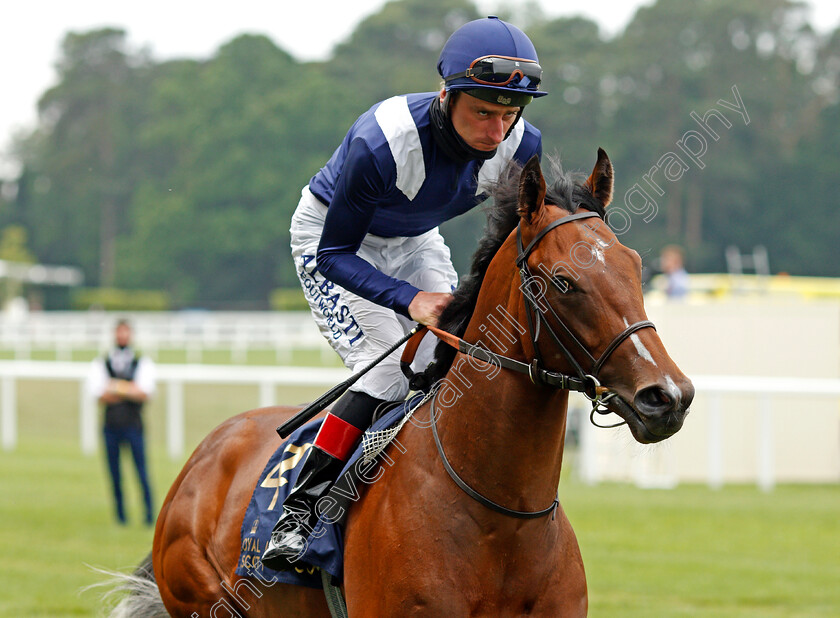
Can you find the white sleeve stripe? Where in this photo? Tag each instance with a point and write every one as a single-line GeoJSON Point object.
{"type": "Point", "coordinates": [395, 120]}
{"type": "Point", "coordinates": [491, 169]}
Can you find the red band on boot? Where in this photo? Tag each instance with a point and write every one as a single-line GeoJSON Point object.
{"type": "Point", "coordinates": [337, 437]}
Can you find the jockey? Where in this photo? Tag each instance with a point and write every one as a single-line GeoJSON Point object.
{"type": "Point", "coordinates": [365, 240]}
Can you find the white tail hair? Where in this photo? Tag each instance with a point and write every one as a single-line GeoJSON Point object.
{"type": "Point", "coordinates": [130, 595]}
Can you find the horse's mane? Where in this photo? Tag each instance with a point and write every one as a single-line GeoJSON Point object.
{"type": "Point", "coordinates": [565, 192]}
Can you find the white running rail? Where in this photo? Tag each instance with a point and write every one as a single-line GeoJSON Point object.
{"type": "Point", "coordinates": [713, 389]}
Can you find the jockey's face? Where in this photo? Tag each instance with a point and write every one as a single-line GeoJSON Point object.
{"type": "Point", "coordinates": [481, 124]}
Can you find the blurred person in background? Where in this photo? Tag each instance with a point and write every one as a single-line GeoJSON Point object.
{"type": "Point", "coordinates": [671, 263]}
{"type": "Point", "coordinates": [122, 382]}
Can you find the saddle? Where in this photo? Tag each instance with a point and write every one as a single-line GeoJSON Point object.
{"type": "Point", "coordinates": [325, 547]}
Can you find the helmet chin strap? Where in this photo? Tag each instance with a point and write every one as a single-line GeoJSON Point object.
{"type": "Point", "coordinates": [444, 105]}
{"type": "Point", "coordinates": [513, 124]}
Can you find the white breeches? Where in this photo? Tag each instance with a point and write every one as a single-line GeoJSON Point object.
{"type": "Point", "coordinates": [358, 329]}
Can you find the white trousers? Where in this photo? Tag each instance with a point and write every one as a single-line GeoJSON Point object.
{"type": "Point", "coordinates": [358, 329]}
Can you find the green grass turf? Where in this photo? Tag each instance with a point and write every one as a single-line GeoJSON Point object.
{"type": "Point", "coordinates": [55, 505]}
{"type": "Point", "coordinates": [695, 551]}
{"type": "Point", "coordinates": [56, 519]}
{"type": "Point", "coordinates": [684, 552]}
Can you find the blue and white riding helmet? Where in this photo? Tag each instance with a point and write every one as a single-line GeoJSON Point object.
{"type": "Point", "coordinates": [491, 60]}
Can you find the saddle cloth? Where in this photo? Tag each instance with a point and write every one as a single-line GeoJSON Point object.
{"type": "Point", "coordinates": [325, 546]}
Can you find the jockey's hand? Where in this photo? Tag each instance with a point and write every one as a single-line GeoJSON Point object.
{"type": "Point", "coordinates": [426, 307]}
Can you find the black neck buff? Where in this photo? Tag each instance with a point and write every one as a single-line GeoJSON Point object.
{"type": "Point", "coordinates": [448, 139]}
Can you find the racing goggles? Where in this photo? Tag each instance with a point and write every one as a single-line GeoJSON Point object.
{"type": "Point", "coordinates": [500, 71]}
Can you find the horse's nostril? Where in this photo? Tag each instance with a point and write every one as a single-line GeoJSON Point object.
{"type": "Point", "coordinates": [654, 400]}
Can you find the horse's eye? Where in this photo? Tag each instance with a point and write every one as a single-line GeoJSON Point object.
{"type": "Point", "coordinates": [561, 283]}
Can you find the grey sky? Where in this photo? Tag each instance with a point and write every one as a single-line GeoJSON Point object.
{"type": "Point", "coordinates": [30, 37]}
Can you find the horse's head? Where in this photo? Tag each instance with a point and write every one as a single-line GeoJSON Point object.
{"type": "Point", "coordinates": [582, 293]}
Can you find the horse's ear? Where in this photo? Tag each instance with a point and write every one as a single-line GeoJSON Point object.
{"type": "Point", "coordinates": [600, 182]}
{"type": "Point", "coordinates": [531, 189]}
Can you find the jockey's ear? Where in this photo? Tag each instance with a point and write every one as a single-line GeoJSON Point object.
{"type": "Point", "coordinates": [600, 182]}
{"type": "Point", "coordinates": [531, 189]}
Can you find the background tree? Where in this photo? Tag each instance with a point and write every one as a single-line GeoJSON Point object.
{"type": "Point", "coordinates": [183, 175]}
{"type": "Point", "coordinates": [80, 172]}
{"type": "Point", "coordinates": [13, 249]}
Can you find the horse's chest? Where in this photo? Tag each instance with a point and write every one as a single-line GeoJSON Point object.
{"type": "Point", "coordinates": [433, 572]}
{"type": "Point", "coordinates": [432, 551]}
{"type": "Point", "coordinates": [436, 597]}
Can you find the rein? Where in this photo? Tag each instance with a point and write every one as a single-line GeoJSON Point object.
{"type": "Point", "coordinates": [538, 375]}
{"type": "Point", "coordinates": [472, 493]}
{"type": "Point", "coordinates": [583, 382]}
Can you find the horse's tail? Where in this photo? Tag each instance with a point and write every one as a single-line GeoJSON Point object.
{"type": "Point", "coordinates": [137, 592]}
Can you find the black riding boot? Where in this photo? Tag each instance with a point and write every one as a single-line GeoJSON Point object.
{"type": "Point", "coordinates": [288, 538]}
{"type": "Point", "coordinates": [339, 434]}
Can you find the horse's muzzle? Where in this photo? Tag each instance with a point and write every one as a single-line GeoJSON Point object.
{"type": "Point", "coordinates": [657, 411]}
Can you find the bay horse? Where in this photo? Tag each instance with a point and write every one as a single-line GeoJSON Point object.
{"type": "Point", "coordinates": [439, 534]}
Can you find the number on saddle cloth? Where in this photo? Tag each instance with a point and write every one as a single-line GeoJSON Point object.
{"type": "Point", "coordinates": [325, 545]}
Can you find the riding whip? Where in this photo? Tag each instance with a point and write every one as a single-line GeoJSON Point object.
{"type": "Point", "coordinates": [337, 391]}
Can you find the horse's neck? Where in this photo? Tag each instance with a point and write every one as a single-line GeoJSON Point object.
{"type": "Point", "coordinates": [504, 433]}
{"type": "Point", "coordinates": [504, 441]}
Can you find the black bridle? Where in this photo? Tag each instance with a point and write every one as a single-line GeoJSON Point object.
{"type": "Point", "coordinates": [535, 318]}
{"type": "Point", "coordinates": [584, 382]}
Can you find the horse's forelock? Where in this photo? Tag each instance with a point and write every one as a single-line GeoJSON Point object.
{"type": "Point", "coordinates": [568, 191]}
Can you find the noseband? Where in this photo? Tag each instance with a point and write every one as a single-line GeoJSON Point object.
{"type": "Point", "coordinates": [535, 317]}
